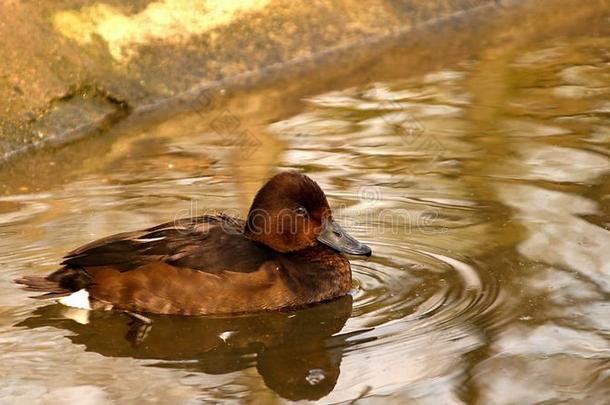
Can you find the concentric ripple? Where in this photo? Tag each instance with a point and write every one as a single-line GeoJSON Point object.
{"type": "Point", "coordinates": [425, 298]}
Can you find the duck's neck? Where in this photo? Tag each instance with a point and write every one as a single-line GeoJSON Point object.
{"type": "Point", "coordinates": [318, 273]}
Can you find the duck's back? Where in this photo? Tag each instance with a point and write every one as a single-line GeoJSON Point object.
{"type": "Point", "coordinates": [199, 243]}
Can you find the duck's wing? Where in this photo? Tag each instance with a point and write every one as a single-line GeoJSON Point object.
{"type": "Point", "coordinates": [209, 244]}
{"type": "Point", "coordinates": [199, 243]}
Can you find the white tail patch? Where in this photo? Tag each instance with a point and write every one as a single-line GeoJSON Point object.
{"type": "Point", "coordinates": [79, 299]}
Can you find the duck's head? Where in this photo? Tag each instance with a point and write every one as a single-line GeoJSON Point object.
{"type": "Point", "coordinates": [290, 213]}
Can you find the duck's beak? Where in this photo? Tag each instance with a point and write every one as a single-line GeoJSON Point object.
{"type": "Point", "coordinates": [334, 236]}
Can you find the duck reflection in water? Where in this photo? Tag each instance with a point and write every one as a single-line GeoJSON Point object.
{"type": "Point", "coordinates": [297, 353]}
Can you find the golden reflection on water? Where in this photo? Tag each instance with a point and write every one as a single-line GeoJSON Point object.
{"type": "Point", "coordinates": [483, 188]}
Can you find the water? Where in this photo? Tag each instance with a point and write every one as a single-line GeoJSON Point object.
{"type": "Point", "coordinates": [483, 188]}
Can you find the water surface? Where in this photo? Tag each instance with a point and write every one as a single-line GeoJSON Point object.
{"type": "Point", "coordinates": [483, 188]}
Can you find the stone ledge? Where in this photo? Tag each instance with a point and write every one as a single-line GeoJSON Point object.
{"type": "Point", "coordinates": [144, 56]}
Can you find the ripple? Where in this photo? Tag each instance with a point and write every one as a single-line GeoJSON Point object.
{"type": "Point", "coordinates": [20, 210]}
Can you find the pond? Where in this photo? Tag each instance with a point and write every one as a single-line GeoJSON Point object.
{"type": "Point", "coordinates": [482, 186]}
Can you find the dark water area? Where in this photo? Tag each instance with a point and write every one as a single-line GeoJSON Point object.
{"type": "Point", "coordinates": [483, 188]}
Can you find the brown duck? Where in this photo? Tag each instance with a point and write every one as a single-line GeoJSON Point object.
{"type": "Point", "coordinates": [288, 253]}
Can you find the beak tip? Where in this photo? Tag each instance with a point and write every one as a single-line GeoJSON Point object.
{"type": "Point", "coordinates": [368, 252]}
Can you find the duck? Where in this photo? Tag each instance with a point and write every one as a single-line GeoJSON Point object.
{"type": "Point", "coordinates": [289, 252]}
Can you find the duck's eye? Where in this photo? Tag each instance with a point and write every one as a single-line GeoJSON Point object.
{"type": "Point", "coordinates": [301, 211]}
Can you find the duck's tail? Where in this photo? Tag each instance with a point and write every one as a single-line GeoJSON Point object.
{"type": "Point", "coordinates": [48, 288]}
{"type": "Point", "coordinates": [61, 283]}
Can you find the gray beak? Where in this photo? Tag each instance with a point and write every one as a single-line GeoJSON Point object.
{"type": "Point", "coordinates": [334, 236]}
